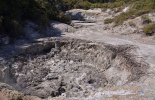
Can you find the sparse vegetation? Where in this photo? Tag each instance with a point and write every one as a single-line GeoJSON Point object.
{"type": "Point", "coordinates": [116, 10]}
{"type": "Point", "coordinates": [146, 19]}
{"type": "Point", "coordinates": [128, 15]}
{"type": "Point", "coordinates": [137, 8]}
{"type": "Point", "coordinates": [108, 20]}
{"type": "Point", "coordinates": [131, 23]}
{"type": "Point", "coordinates": [64, 18]}
{"type": "Point", "coordinates": [149, 29]}
{"type": "Point", "coordinates": [83, 5]}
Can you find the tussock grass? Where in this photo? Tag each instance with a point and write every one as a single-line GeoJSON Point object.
{"type": "Point", "coordinates": [149, 29]}
{"type": "Point", "coordinates": [146, 19]}
{"type": "Point", "coordinates": [108, 20]}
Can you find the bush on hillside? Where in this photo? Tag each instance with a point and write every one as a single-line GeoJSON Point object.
{"type": "Point", "coordinates": [146, 19]}
{"type": "Point", "coordinates": [64, 18]}
{"type": "Point", "coordinates": [138, 8]}
{"type": "Point", "coordinates": [108, 20]}
{"type": "Point", "coordinates": [149, 29]}
{"type": "Point", "coordinates": [83, 5]}
{"type": "Point", "coordinates": [69, 4]}
{"type": "Point", "coordinates": [131, 23]}
{"type": "Point", "coordinates": [128, 15]}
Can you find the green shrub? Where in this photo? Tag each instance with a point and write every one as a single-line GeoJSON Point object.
{"type": "Point", "coordinates": [149, 29]}
{"type": "Point", "coordinates": [108, 20]}
{"type": "Point", "coordinates": [145, 4]}
{"type": "Point", "coordinates": [132, 13]}
{"type": "Point", "coordinates": [14, 13]}
{"type": "Point", "coordinates": [69, 4]}
{"type": "Point", "coordinates": [99, 5]}
{"type": "Point", "coordinates": [138, 8]}
{"type": "Point", "coordinates": [83, 5]}
{"type": "Point", "coordinates": [119, 9]}
{"type": "Point", "coordinates": [119, 19]}
{"type": "Point", "coordinates": [116, 4]}
{"type": "Point", "coordinates": [64, 18]}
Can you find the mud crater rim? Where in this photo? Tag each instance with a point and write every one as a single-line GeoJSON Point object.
{"type": "Point", "coordinates": [72, 66]}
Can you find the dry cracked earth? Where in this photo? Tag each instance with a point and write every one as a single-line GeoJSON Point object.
{"type": "Point", "coordinates": [85, 63]}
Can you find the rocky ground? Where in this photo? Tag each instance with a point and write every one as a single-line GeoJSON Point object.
{"type": "Point", "coordinates": [88, 61]}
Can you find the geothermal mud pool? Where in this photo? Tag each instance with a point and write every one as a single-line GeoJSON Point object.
{"type": "Point", "coordinates": [72, 68]}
